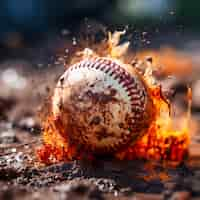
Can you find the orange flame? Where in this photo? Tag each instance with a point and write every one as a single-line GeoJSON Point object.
{"type": "Point", "coordinates": [161, 142]}
{"type": "Point", "coordinates": [168, 61]}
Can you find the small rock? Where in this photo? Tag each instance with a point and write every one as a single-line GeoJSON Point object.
{"type": "Point", "coordinates": [62, 188]}
{"type": "Point", "coordinates": [65, 32]}
{"type": "Point", "coordinates": [15, 160]}
{"type": "Point", "coordinates": [196, 94]}
{"type": "Point", "coordinates": [7, 137]}
{"type": "Point", "coordinates": [195, 186]}
{"type": "Point", "coordinates": [13, 79]}
{"type": "Point", "coordinates": [182, 195]}
{"type": "Point", "coordinates": [126, 191]}
{"type": "Point", "coordinates": [79, 191]}
{"type": "Point", "coordinates": [29, 123]}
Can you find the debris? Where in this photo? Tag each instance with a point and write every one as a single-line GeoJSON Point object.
{"type": "Point", "coordinates": [8, 136]}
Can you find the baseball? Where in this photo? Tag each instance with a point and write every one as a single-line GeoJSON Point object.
{"type": "Point", "coordinates": [102, 105]}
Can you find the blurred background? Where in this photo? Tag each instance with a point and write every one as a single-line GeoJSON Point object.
{"type": "Point", "coordinates": [28, 21]}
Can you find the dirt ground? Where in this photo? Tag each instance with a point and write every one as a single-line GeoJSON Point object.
{"type": "Point", "coordinates": [26, 80]}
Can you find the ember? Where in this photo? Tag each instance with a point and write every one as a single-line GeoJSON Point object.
{"type": "Point", "coordinates": [160, 141]}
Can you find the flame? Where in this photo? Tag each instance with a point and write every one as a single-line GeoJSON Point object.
{"type": "Point", "coordinates": [161, 142]}
{"type": "Point", "coordinates": [168, 61]}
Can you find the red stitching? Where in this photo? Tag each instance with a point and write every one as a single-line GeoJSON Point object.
{"type": "Point", "coordinates": [128, 83]}
{"type": "Point", "coordinates": [136, 94]}
{"type": "Point", "coordinates": [103, 66]}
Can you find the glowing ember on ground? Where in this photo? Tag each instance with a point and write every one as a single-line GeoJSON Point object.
{"type": "Point", "coordinates": [161, 142]}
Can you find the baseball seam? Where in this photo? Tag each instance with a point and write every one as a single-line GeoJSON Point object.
{"type": "Point", "coordinates": [128, 82]}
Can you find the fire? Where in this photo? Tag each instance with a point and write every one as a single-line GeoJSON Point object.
{"type": "Point", "coordinates": [168, 61]}
{"type": "Point", "coordinates": [161, 142]}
